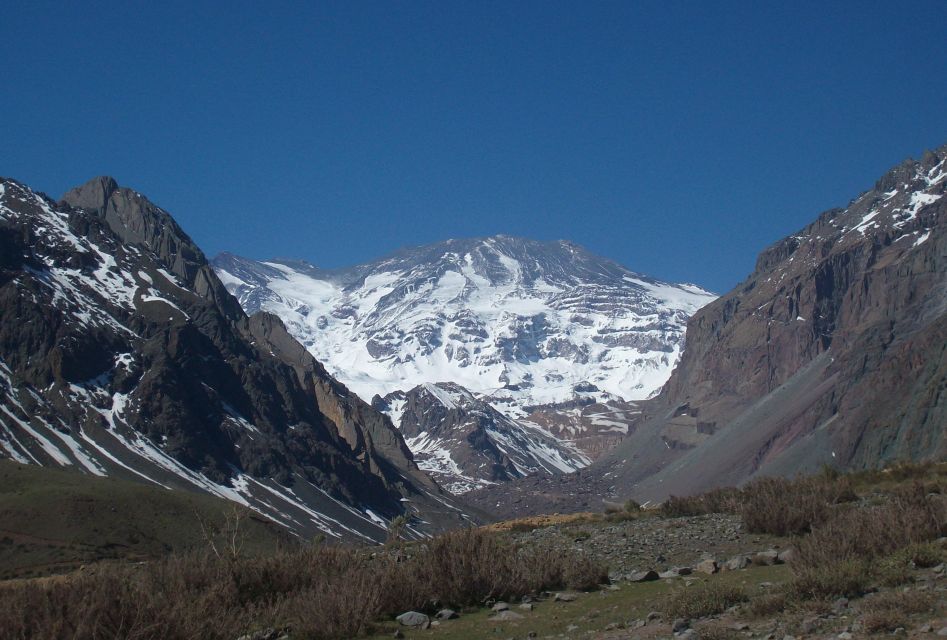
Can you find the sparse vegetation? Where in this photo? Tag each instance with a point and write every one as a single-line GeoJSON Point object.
{"type": "Point", "coordinates": [725, 500]}
{"type": "Point", "coordinates": [842, 547]}
{"type": "Point", "coordinates": [705, 599]}
{"type": "Point", "coordinates": [887, 611]}
{"type": "Point", "coordinates": [321, 592]}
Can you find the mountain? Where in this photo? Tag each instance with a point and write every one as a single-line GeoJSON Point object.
{"type": "Point", "coordinates": [121, 353]}
{"type": "Point", "coordinates": [519, 322]}
{"type": "Point", "coordinates": [464, 443]}
{"type": "Point", "coordinates": [832, 352]}
{"type": "Point", "coordinates": [525, 337]}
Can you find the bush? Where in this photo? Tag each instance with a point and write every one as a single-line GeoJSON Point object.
{"type": "Point", "coordinates": [791, 507]}
{"type": "Point", "coordinates": [887, 611]}
{"type": "Point", "coordinates": [836, 558]}
{"type": "Point", "coordinates": [320, 592]}
{"type": "Point", "coordinates": [766, 604]}
{"type": "Point", "coordinates": [833, 579]}
{"type": "Point", "coordinates": [706, 599]}
{"type": "Point", "coordinates": [724, 500]}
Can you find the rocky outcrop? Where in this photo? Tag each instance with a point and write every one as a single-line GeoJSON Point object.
{"type": "Point", "coordinates": [121, 353]}
{"type": "Point", "coordinates": [463, 442]}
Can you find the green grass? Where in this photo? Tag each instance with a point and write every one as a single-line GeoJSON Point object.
{"type": "Point", "coordinates": [54, 520]}
{"type": "Point", "coordinates": [590, 612]}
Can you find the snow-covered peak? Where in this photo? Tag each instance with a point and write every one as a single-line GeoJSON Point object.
{"type": "Point", "coordinates": [520, 321]}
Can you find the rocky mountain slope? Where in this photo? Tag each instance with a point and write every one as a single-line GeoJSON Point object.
{"type": "Point", "coordinates": [121, 353]}
{"type": "Point", "coordinates": [464, 443]}
{"type": "Point", "coordinates": [833, 351]}
{"type": "Point", "coordinates": [557, 340]}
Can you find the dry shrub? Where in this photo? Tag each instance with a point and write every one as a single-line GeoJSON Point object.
{"type": "Point", "coordinates": [715, 631]}
{"type": "Point", "coordinates": [837, 578]}
{"type": "Point", "coordinates": [319, 592]}
{"type": "Point", "coordinates": [723, 500]}
{"type": "Point", "coordinates": [887, 611]}
{"type": "Point", "coordinates": [705, 599]}
{"type": "Point", "coordinates": [791, 507]}
{"type": "Point", "coordinates": [766, 604]}
{"type": "Point", "coordinates": [837, 557]}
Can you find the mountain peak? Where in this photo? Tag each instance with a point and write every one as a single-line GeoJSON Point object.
{"type": "Point", "coordinates": [529, 320]}
{"type": "Point", "coordinates": [93, 195]}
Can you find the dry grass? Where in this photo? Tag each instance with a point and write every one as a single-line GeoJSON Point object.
{"type": "Point", "coordinates": [724, 500]}
{"type": "Point", "coordinates": [767, 604]}
{"type": "Point", "coordinates": [537, 522]}
{"type": "Point", "coordinates": [715, 631]}
{"type": "Point", "coordinates": [701, 600]}
{"type": "Point", "coordinates": [318, 592]}
{"type": "Point", "coordinates": [791, 507]}
{"type": "Point", "coordinates": [847, 552]}
{"type": "Point", "coordinates": [887, 611]}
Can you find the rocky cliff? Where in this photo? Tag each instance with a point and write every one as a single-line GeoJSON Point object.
{"type": "Point", "coordinates": [832, 352]}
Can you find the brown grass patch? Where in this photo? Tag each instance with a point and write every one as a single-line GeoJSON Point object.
{"type": "Point", "coordinates": [318, 592]}
{"type": "Point", "coordinates": [700, 600]}
{"type": "Point", "coordinates": [538, 522]}
{"type": "Point", "coordinates": [887, 611]}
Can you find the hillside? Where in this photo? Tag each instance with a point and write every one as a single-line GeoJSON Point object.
{"type": "Point", "coordinates": [54, 520]}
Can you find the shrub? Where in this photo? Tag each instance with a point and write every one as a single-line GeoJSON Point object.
{"type": "Point", "coordinates": [321, 592]}
{"type": "Point", "coordinates": [706, 599]}
{"type": "Point", "coordinates": [791, 507]}
{"type": "Point", "coordinates": [833, 579]}
{"type": "Point", "coordinates": [836, 557]}
{"type": "Point", "coordinates": [887, 611]}
{"type": "Point", "coordinates": [766, 604]}
{"type": "Point", "coordinates": [723, 500]}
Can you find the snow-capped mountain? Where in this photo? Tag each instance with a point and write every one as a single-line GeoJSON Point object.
{"type": "Point", "coordinates": [536, 331]}
{"type": "Point", "coordinates": [122, 354]}
{"type": "Point", "coordinates": [517, 321]}
{"type": "Point", "coordinates": [464, 443]}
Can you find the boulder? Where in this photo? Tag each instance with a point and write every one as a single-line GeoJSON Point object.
{"type": "Point", "coordinates": [565, 597]}
{"type": "Point", "coordinates": [675, 572]}
{"type": "Point", "coordinates": [644, 576]}
{"type": "Point", "coordinates": [707, 566]}
{"type": "Point", "coordinates": [414, 620]}
{"type": "Point", "coordinates": [766, 558]}
{"type": "Point", "coordinates": [737, 563]}
{"type": "Point", "coordinates": [446, 614]}
{"type": "Point", "coordinates": [507, 616]}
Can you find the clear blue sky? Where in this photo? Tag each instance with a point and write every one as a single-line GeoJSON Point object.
{"type": "Point", "coordinates": [677, 138]}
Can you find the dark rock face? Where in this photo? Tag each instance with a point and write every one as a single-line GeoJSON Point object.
{"type": "Point", "coordinates": [833, 351]}
{"type": "Point", "coordinates": [121, 353]}
{"type": "Point", "coordinates": [463, 442]}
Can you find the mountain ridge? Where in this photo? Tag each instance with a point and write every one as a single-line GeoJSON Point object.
{"type": "Point", "coordinates": [121, 353]}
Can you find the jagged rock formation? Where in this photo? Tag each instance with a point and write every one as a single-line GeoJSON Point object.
{"type": "Point", "coordinates": [833, 351]}
{"type": "Point", "coordinates": [121, 353]}
{"type": "Point", "coordinates": [464, 443]}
